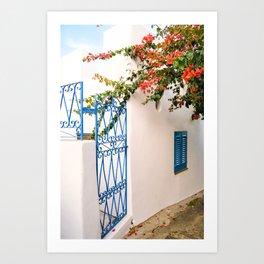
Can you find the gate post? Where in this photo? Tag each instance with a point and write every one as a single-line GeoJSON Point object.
{"type": "Point", "coordinates": [80, 217]}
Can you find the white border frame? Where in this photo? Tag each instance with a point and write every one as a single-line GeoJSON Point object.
{"type": "Point", "coordinates": [54, 243]}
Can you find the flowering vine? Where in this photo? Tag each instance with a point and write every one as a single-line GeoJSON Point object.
{"type": "Point", "coordinates": [172, 59]}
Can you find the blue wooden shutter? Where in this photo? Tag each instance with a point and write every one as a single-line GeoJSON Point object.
{"type": "Point", "coordinates": [184, 150]}
{"type": "Point", "coordinates": [177, 151]}
{"type": "Point", "coordinates": [180, 150]}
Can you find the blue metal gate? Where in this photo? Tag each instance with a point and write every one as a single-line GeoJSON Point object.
{"type": "Point", "coordinates": [110, 136]}
{"type": "Point", "coordinates": [111, 161]}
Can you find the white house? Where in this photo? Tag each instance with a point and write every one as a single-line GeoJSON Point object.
{"type": "Point", "coordinates": [152, 184]}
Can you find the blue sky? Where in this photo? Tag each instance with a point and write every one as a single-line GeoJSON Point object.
{"type": "Point", "coordinates": [88, 37]}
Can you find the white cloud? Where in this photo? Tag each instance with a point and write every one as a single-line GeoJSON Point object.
{"type": "Point", "coordinates": [71, 43]}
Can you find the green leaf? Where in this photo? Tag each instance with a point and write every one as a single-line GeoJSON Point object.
{"type": "Point", "coordinates": [181, 66]}
{"type": "Point", "coordinates": [189, 55]}
{"type": "Point", "coordinates": [181, 59]}
{"type": "Point", "coordinates": [176, 63]}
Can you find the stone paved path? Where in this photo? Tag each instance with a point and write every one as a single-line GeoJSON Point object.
{"type": "Point", "coordinates": [184, 220]}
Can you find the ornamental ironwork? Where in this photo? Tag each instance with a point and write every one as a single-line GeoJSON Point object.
{"type": "Point", "coordinates": [71, 107]}
{"type": "Point", "coordinates": [111, 161]}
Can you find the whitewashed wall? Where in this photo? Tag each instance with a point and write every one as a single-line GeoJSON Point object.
{"type": "Point", "coordinates": [79, 199]}
{"type": "Point", "coordinates": [151, 153]}
{"type": "Point", "coordinates": [151, 179]}
{"type": "Point", "coordinates": [151, 143]}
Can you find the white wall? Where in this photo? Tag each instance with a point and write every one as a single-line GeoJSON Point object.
{"type": "Point", "coordinates": [152, 184]}
{"type": "Point", "coordinates": [151, 154]}
{"type": "Point", "coordinates": [151, 143]}
{"type": "Point", "coordinates": [79, 198]}
{"type": "Point", "coordinates": [73, 69]}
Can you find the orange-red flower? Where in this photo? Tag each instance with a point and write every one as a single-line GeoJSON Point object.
{"type": "Point", "coordinates": [196, 116]}
{"type": "Point", "coordinates": [189, 73]}
{"type": "Point", "coordinates": [198, 72]}
{"type": "Point", "coordinates": [142, 54]}
{"type": "Point", "coordinates": [169, 39]}
{"type": "Point", "coordinates": [152, 72]}
{"type": "Point", "coordinates": [172, 56]}
{"type": "Point", "coordinates": [145, 84]}
{"type": "Point", "coordinates": [177, 54]}
{"type": "Point", "coordinates": [147, 39]}
{"type": "Point", "coordinates": [138, 48]}
{"type": "Point", "coordinates": [170, 61]}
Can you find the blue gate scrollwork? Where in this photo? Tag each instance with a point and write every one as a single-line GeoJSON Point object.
{"type": "Point", "coordinates": [71, 107]}
{"type": "Point", "coordinates": [111, 161]}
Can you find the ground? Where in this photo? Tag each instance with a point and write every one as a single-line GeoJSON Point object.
{"type": "Point", "coordinates": [184, 220]}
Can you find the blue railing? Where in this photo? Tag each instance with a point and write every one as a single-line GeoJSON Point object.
{"type": "Point", "coordinates": [71, 110]}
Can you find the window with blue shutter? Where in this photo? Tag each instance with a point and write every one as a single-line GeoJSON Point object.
{"type": "Point", "coordinates": [180, 151]}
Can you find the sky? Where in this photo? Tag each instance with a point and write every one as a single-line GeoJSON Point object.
{"type": "Point", "coordinates": [88, 37]}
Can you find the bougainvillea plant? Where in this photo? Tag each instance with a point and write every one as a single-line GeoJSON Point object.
{"type": "Point", "coordinates": [172, 59]}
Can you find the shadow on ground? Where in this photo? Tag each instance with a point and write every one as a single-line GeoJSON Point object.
{"type": "Point", "coordinates": [184, 220]}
